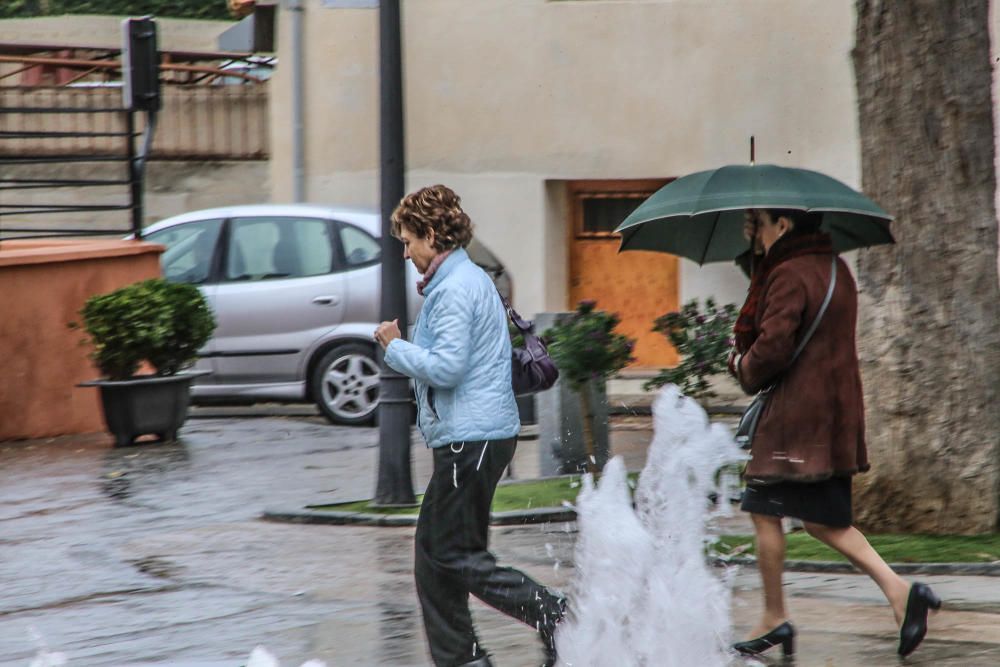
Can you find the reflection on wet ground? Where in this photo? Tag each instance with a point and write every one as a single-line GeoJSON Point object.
{"type": "Point", "coordinates": [153, 555]}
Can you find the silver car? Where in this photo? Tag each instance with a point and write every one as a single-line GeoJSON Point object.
{"type": "Point", "coordinates": [295, 291]}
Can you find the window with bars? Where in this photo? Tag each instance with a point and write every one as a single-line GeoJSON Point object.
{"type": "Point", "coordinates": [600, 206]}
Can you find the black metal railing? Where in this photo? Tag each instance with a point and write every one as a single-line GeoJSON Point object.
{"type": "Point", "coordinates": [106, 185]}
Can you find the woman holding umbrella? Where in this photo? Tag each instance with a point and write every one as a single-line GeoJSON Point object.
{"type": "Point", "coordinates": [810, 439]}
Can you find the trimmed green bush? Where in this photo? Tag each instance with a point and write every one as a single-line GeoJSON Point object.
{"type": "Point", "coordinates": [587, 351]}
{"type": "Point", "coordinates": [154, 321]}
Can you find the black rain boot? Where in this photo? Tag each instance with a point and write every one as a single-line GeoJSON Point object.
{"type": "Point", "coordinates": [481, 661]}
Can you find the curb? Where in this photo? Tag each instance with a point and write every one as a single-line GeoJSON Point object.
{"type": "Point", "coordinates": [330, 518]}
{"type": "Point", "coordinates": [834, 567]}
{"type": "Point", "coordinates": [566, 514]}
{"type": "Point", "coordinates": [647, 410]}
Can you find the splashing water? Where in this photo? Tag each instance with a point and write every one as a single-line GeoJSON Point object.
{"type": "Point", "coordinates": [644, 594]}
{"type": "Point", "coordinates": [260, 657]}
{"type": "Point", "coordinates": [46, 659]}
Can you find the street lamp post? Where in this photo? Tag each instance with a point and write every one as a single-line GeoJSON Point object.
{"type": "Point", "coordinates": [395, 486]}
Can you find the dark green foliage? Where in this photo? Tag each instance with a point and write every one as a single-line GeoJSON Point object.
{"type": "Point", "coordinates": [162, 323]}
{"type": "Point", "coordinates": [586, 347]}
{"type": "Point", "coordinates": [192, 9]}
{"type": "Point", "coordinates": [703, 340]}
{"type": "Point", "coordinates": [192, 326]}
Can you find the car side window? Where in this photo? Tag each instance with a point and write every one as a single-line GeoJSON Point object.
{"type": "Point", "coordinates": [359, 246]}
{"type": "Point", "coordinates": [264, 248]}
{"type": "Point", "coordinates": [190, 248]}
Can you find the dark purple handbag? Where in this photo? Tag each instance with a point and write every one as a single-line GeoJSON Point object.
{"type": "Point", "coordinates": [531, 368]}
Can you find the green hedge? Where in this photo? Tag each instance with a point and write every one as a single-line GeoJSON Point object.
{"type": "Point", "coordinates": [192, 9]}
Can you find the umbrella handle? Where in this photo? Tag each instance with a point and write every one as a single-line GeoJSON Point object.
{"type": "Point", "coordinates": [753, 243]}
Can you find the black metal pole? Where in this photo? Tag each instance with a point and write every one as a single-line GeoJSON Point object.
{"type": "Point", "coordinates": [134, 175]}
{"type": "Point", "coordinates": [395, 485]}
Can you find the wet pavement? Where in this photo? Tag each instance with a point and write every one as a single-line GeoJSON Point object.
{"type": "Point", "coordinates": [155, 555]}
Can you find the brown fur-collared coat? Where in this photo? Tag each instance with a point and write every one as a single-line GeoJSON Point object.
{"type": "Point", "coordinates": [813, 426]}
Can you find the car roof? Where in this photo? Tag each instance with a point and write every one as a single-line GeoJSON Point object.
{"type": "Point", "coordinates": [368, 220]}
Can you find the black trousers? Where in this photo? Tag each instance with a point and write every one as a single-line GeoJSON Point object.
{"type": "Point", "coordinates": [451, 556]}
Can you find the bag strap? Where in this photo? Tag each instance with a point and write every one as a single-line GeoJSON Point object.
{"type": "Point", "coordinates": [822, 309]}
{"type": "Point", "coordinates": [532, 343]}
{"type": "Point", "coordinates": [523, 325]}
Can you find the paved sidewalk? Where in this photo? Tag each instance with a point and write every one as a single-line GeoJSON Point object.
{"type": "Point", "coordinates": [154, 555]}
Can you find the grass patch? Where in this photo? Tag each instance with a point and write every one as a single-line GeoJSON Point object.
{"type": "Point", "coordinates": [893, 548]}
{"type": "Point", "coordinates": [555, 491]}
{"type": "Point", "coordinates": [549, 492]}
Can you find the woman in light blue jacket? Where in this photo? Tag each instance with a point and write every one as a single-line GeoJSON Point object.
{"type": "Point", "coordinates": [459, 360]}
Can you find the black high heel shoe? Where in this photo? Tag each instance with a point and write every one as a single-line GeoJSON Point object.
{"type": "Point", "coordinates": [920, 601]}
{"type": "Point", "coordinates": [784, 634]}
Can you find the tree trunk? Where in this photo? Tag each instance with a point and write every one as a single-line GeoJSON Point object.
{"type": "Point", "coordinates": [588, 428]}
{"type": "Point", "coordinates": [928, 329]}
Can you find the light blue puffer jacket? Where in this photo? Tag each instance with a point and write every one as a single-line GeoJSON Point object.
{"type": "Point", "coordinates": [459, 358]}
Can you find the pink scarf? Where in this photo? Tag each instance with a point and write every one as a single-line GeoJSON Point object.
{"type": "Point", "coordinates": [431, 270]}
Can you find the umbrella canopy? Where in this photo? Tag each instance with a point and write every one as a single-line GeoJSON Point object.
{"type": "Point", "coordinates": [700, 216]}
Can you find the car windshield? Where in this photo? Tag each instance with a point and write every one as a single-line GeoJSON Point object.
{"type": "Point", "coordinates": [190, 247]}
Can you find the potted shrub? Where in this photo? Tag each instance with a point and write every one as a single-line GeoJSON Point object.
{"type": "Point", "coordinates": [150, 325]}
{"type": "Point", "coordinates": [587, 351]}
{"type": "Point", "coordinates": [703, 339]}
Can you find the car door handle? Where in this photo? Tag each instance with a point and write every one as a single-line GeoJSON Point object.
{"type": "Point", "coordinates": [326, 300]}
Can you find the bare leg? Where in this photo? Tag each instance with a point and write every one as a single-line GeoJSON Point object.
{"type": "Point", "coordinates": [771, 563]}
{"type": "Point", "coordinates": [852, 543]}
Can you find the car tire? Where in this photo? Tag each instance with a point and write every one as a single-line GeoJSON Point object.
{"type": "Point", "coordinates": [345, 384]}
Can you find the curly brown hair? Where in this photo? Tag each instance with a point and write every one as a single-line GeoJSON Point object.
{"type": "Point", "coordinates": [435, 207]}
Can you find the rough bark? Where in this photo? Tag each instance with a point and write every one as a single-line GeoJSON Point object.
{"type": "Point", "coordinates": [930, 305]}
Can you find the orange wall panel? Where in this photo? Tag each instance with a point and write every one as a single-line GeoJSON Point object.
{"type": "Point", "coordinates": [639, 286]}
{"type": "Point", "coordinates": [43, 285]}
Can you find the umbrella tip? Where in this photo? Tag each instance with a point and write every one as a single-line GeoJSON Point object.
{"type": "Point", "coordinates": [752, 156]}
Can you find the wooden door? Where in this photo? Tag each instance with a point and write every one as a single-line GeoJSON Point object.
{"type": "Point", "coordinates": [637, 285]}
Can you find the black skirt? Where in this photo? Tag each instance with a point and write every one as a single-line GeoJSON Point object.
{"type": "Point", "coordinates": [827, 502]}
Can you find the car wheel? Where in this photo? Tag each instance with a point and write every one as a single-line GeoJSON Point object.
{"type": "Point", "coordinates": [345, 384]}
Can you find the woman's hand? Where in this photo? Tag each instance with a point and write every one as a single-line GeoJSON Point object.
{"type": "Point", "coordinates": [387, 332]}
{"type": "Point", "coordinates": [734, 363]}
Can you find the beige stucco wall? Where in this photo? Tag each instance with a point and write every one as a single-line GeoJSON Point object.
{"type": "Point", "coordinates": [105, 31]}
{"type": "Point", "coordinates": [506, 98]}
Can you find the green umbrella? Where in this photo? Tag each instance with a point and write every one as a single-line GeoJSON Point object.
{"type": "Point", "coordinates": [700, 216]}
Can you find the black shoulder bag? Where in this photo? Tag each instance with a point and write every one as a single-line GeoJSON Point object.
{"type": "Point", "coordinates": [531, 368]}
{"type": "Point", "coordinates": [748, 422]}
